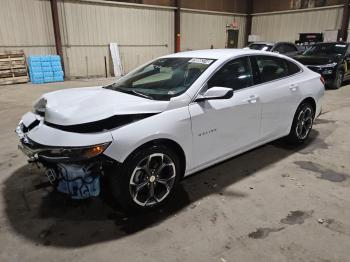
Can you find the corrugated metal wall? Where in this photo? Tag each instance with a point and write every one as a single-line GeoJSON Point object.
{"type": "Point", "coordinates": [87, 28]}
{"type": "Point", "coordinates": [200, 30]}
{"type": "Point", "coordinates": [287, 26]}
{"type": "Point", "coordinates": [143, 33]}
{"type": "Point", "coordinates": [26, 24]}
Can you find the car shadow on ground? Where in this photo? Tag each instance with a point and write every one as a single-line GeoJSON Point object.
{"type": "Point", "coordinates": [46, 218]}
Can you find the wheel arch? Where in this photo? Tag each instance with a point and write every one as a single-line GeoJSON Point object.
{"type": "Point", "coordinates": [168, 143]}
{"type": "Point", "coordinates": [309, 100]}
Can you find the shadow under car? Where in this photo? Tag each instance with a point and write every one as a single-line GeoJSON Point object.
{"type": "Point", "coordinates": [45, 217]}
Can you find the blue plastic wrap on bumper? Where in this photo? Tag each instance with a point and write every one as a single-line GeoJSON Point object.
{"type": "Point", "coordinates": [77, 181]}
{"type": "Point", "coordinates": [75, 177]}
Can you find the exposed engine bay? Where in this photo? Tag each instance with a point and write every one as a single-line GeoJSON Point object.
{"type": "Point", "coordinates": [76, 142]}
{"type": "Point", "coordinates": [75, 172]}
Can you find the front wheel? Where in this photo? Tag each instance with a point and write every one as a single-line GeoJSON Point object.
{"type": "Point", "coordinates": [302, 124]}
{"type": "Point", "coordinates": [147, 179]}
{"type": "Point", "coordinates": [338, 81]}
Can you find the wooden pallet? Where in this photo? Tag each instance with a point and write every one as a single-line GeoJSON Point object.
{"type": "Point", "coordinates": [13, 68]}
{"type": "Point", "coordinates": [14, 80]}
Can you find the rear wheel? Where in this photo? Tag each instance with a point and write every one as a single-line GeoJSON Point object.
{"type": "Point", "coordinates": [147, 179]}
{"type": "Point", "coordinates": [302, 124]}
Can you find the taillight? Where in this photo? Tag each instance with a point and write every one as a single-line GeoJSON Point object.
{"type": "Point", "coordinates": [322, 80]}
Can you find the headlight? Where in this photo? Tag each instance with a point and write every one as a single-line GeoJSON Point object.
{"type": "Point", "coordinates": [328, 69]}
{"type": "Point", "coordinates": [40, 106]}
{"type": "Point", "coordinates": [327, 72]}
{"type": "Point", "coordinates": [74, 153]}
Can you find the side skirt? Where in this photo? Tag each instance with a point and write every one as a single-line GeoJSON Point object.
{"type": "Point", "coordinates": [224, 158]}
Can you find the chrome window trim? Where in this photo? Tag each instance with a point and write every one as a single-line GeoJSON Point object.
{"type": "Point", "coordinates": [253, 86]}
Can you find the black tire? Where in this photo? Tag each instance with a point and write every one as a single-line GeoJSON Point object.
{"type": "Point", "coordinates": [120, 180]}
{"type": "Point", "coordinates": [338, 81]}
{"type": "Point", "coordinates": [301, 128]}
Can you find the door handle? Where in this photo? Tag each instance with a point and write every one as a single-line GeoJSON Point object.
{"type": "Point", "coordinates": [293, 88]}
{"type": "Point", "coordinates": [253, 99]}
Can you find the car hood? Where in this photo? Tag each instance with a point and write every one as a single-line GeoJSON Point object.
{"type": "Point", "coordinates": [90, 104]}
{"type": "Point", "coordinates": [316, 60]}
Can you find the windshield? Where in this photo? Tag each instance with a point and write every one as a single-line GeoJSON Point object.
{"type": "Point", "coordinates": [163, 78]}
{"type": "Point", "coordinates": [263, 47]}
{"type": "Point", "coordinates": [326, 49]}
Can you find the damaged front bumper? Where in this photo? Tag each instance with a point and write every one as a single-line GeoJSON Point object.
{"type": "Point", "coordinates": [74, 170]}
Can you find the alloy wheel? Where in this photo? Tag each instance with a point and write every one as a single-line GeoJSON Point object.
{"type": "Point", "coordinates": [152, 179]}
{"type": "Point", "coordinates": [304, 123]}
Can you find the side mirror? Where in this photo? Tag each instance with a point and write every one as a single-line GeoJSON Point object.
{"type": "Point", "coordinates": [216, 93]}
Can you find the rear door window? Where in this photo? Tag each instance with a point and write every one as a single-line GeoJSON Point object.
{"type": "Point", "coordinates": [271, 68]}
{"type": "Point", "coordinates": [292, 68]}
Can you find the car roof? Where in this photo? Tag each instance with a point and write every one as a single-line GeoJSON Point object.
{"type": "Point", "coordinates": [217, 53]}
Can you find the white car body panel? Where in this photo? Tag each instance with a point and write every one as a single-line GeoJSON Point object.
{"type": "Point", "coordinates": [221, 127]}
{"type": "Point", "coordinates": [279, 101]}
{"type": "Point", "coordinates": [174, 125]}
{"type": "Point", "coordinates": [84, 105]}
{"type": "Point", "coordinates": [208, 132]}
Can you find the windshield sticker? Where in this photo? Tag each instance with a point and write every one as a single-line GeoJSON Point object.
{"type": "Point", "coordinates": [201, 61]}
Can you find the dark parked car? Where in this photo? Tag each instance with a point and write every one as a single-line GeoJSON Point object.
{"type": "Point", "coordinates": [285, 48]}
{"type": "Point", "coordinates": [331, 60]}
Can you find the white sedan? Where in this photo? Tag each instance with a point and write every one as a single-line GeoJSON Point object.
{"type": "Point", "coordinates": [168, 119]}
